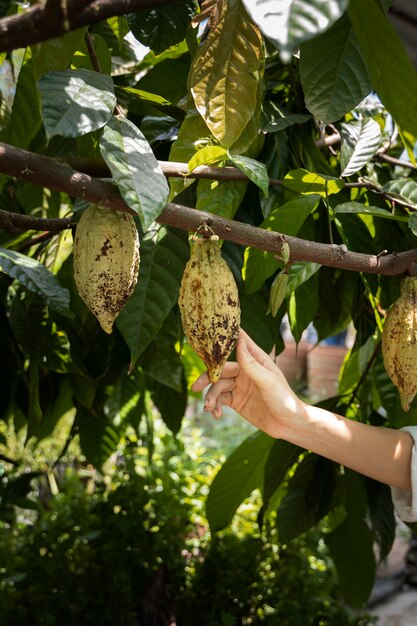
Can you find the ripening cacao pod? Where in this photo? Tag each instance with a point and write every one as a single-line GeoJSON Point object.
{"type": "Point", "coordinates": [106, 261]}
{"type": "Point", "coordinates": [209, 305]}
{"type": "Point", "coordinates": [399, 341]}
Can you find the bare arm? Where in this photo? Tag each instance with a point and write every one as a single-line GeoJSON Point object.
{"type": "Point", "coordinates": [256, 388]}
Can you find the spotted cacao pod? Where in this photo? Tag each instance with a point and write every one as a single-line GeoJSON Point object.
{"type": "Point", "coordinates": [209, 305]}
{"type": "Point", "coordinates": [106, 261]}
{"type": "Point", "coordinates": [399, 341]}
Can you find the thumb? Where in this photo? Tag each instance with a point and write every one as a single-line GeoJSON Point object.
{"type": "Point", "coordinates": [251, 358]}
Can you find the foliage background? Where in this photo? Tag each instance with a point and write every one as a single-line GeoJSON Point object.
{"type": "Point", "coordinates": [297, 139]}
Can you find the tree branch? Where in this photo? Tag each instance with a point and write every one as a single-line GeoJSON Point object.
{"type": "Point", "coordinates": [54, 18]}
{"type": "Point", "coordinates": [58, 175]}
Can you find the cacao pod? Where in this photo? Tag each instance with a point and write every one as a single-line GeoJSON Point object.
{"type": "Point", "coordinates": [209, 305]}
{"type": "Point", "coordinates": [399, 341]}
{"type": "Point", "coordinates": [106, 261]}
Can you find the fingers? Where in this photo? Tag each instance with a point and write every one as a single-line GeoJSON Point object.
{"type": "Point", "coordinates": [230, 370]}
{"type": "Point", "coordinates": [216, 393]}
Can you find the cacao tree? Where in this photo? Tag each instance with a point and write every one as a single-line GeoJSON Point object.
{"type": "Point", "coordinates": [293, 140]}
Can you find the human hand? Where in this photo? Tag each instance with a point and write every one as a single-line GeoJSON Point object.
{"type": "Point", "coordinates": [254, 387]}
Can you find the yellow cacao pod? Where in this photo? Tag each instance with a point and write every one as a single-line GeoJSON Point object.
{"type": "Point", "coordinates": [399, 341]}
{"type": "Point", "coordinates": [209, 305]}
{"type": "Point", "coordinates": [106, 261]}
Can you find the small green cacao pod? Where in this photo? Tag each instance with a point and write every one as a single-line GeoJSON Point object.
{"type": "Point", "coordinates": [209, 305]}
{"type": "Point", "coordinates": [106, 261]}
{"type": "Point", "coordinates": [399, 341]}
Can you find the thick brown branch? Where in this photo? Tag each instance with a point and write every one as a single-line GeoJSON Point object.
{"type": "Point", "coordinates": [51, 173]}
{"type": "Point", "coordinates": [55, 18]}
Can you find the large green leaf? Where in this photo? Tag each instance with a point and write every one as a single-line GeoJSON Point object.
{"type": "Point", "coordinates": [382, 516]}
{"type": "Point", "coordinates": [122, 404]}
{"type": "Point", "coordinates": [308, 497]}
{"type": "Point", "coordinates": [384, 54]}
{"type": "Point", "coordinates": [134, 168]}
{"type": "Point", "coordinates": [164, 26]}
{"type": "Point", "coordinates": [156, 292]}
{"type": "Point", "coordinates": [287, 219]}
{"type": "Point", "coordinates": [287, 23]}
{"type": "Point", "coordinates": [374, 211]}
{"type": "Point", "coordinates": [7, 92]}
{"type": "Point", "coordinates": [299, 273]}
{"type": "Point", "coordinates": [281, 458]}
{"type": "Point", "coordinates": [225, 75]}
{"type": "Point", "coordinates": [75, 102]}
{"type": "Point", "coordinates": [25, 119]}
{"type": "Point", "coordinates": [35, 277]}
{"type": "Point", "coordinates": [171, 404]}
{"type": "Point", "coordinates": [237, 478]}
{"type": "Point", "coordinates": [99, 438]}
{"type": "Point", "coordinates": [302, 306]}
{"type": "Point", "coordinates": [263, 329]}
{"type": "Point", "coordinates": [55, 54]}
{"type": "Point", "coordinates": [351, 544]}
{"type": "Point", "coordinates": [360, 142]}
{"type": "Point", "coordinates": [335, 83]}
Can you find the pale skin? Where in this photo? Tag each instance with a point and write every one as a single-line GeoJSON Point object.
{"type": "Point", "coordinates": [257, 389]}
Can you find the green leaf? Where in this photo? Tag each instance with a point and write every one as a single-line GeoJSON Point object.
{"type": "Point", "coordinates": [254, 170]}
{"type": "Point", "coordinates": [122, 404]}
{"type": "Point", "coordinates": [237, 478]}
{"type": "Point", "coordinates": [403, 189]}
{"type": "Point", "coordinates": [277, 120]}
{"type": "Point", "coordinates": [225, 75]}
{"type": "Point", "coordinates": [263, 329]}
{"type": "Point", "coordinates": [360, 142]}
{"type": "Point", "coordinates": [162, 265]}
{"type": "Point", "coordinates": [335, 83]}
{"type": "Point", "coordinates": [412, 223]}
{"type": "Point", "coordinates": [134, 168]}
{"type": "Point", "coordinates": [25, 120]}
{"type": "Point", "coordinates": [7, 92]}
{"type": "Point", "coordinates": [358, 207]}
{"type": "Point", "coordinates": [192, 135]}
{"type": "Point", "coordinates": [35, 277]}
{"type": "Point", "coordinates": [382, 516]}
{"type": "Point", "coordinates": [382, 48]}
{"type": "Point", "coordinates": [299, 273]}
{"type": "Point", "coordinates": [302, 306]}
{"type": "Point", "coordinates": [351, 548]}
{"type": "Point", "coordinates": [75, 102]}
{"type": "Point", "coordinates": [98, 437]}
{"type": "Point", "coordinates": [287, 219]}
{"type": "Point", "coordinates": [303, 182]}
{"type": "Point", "coordinates": [221, 197]}
{"type": "Point", "coordinates": [287, 23]}
{"type": "Point", "coordinates": [56, 53]}
{"type": "Point", "coordinates": [207, 156]}
{"type": "Point", "coordinates": [171, 404]}
{"type": "Point", "coordinates": [164, 26]}
{"type": "Point", "coordinates": [308, 497]}
{"type": "Point", "coordinates": [281, 458]}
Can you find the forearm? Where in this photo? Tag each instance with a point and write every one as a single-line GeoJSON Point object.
{"type": "Point", "coordinates": [380, 453]}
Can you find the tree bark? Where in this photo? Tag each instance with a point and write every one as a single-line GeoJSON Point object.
{"type": "Point", "coordinates": [54, 18]}
{"type": "Point", "coordinates": [58, 175]}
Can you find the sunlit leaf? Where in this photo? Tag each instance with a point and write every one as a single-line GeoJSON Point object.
{"type": "Point", "coordinates": [254, 170]}
{"type": "Point", "coordinates": [207, 156]}
{"type": "Point", "coordinates": [287, 23]}
{"type": "Point", "coordinates": [134, 168]}
{"type": "Point", "coordinates": [75, 102]}
{"type": "Point", "coordinates": [225, 75]}
{"type": "Point", "coordinates": [360, 142]}
{"type": "Point", "coordinates": [304, 182]}
{"type": "Point", "coordinates": [358, 207]}
{"type": "Point", "coordinates": [404, 189]}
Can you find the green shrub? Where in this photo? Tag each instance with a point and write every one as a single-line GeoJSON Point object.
{"type": "Point", "coordinates": [134, 549]}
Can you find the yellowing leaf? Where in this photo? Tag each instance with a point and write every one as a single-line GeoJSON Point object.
{"type": "Point", "coordinates": [226, 72]}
